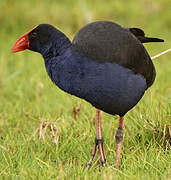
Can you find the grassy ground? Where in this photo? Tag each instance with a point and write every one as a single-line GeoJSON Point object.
{"type": "Point", "coordinates": [28, 98]}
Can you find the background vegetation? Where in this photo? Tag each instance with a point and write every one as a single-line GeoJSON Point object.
{"type": "Point", "coordinates": [28, 98]}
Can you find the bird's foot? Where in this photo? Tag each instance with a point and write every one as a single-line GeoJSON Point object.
{"type": "Point", "coordinates": [99, 144]}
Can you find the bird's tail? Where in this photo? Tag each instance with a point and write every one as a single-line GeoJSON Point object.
{"type": "Point", "coordinates": [149, 39]}
{"type": "Point", "coordinates": [141, 36]}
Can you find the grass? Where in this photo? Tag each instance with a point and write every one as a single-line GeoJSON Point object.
{"type": "Point", "coordinates": [28, 98]}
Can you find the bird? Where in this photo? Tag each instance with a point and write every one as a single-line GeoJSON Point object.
{"type": "Point", "coordinates": [105, 64]}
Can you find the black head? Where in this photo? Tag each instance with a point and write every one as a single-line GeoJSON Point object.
{"type": "Point", "coordinates": [41, 37]}
{"type": "Point", "coordinates": [38, 39]}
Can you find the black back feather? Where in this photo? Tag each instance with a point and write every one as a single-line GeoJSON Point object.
{"type": "Point", "coordinates": [105, 41]}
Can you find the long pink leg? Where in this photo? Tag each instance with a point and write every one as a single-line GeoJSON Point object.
{"type": "Point", "coordinates": [98, 142]}
{"type": "Point", "coordinates": [119, 138]}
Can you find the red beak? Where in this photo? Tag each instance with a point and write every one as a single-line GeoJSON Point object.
{"type": "Point", "coordinates": [22, 43]}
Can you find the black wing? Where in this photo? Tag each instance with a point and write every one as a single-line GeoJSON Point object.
{"type": "Point", "coordinates": [105, 41]}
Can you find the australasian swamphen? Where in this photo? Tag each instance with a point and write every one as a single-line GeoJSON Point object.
{"type": "Point", "coordinates": [105, 64]}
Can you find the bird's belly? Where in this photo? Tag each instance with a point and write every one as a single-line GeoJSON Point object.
{"type": "Point", "coordinates": [107, 86]}
{"type": "Point", "coordinates": [111, 88]}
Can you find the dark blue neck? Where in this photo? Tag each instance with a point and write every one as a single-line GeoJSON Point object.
{"type": "Point", "coordinates": [55, 48]}
{"type": "Point", "coordinates": [54, 54]}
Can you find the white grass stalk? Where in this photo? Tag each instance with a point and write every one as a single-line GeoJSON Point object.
{"type": "Point", "coordinates": [160, 54]}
